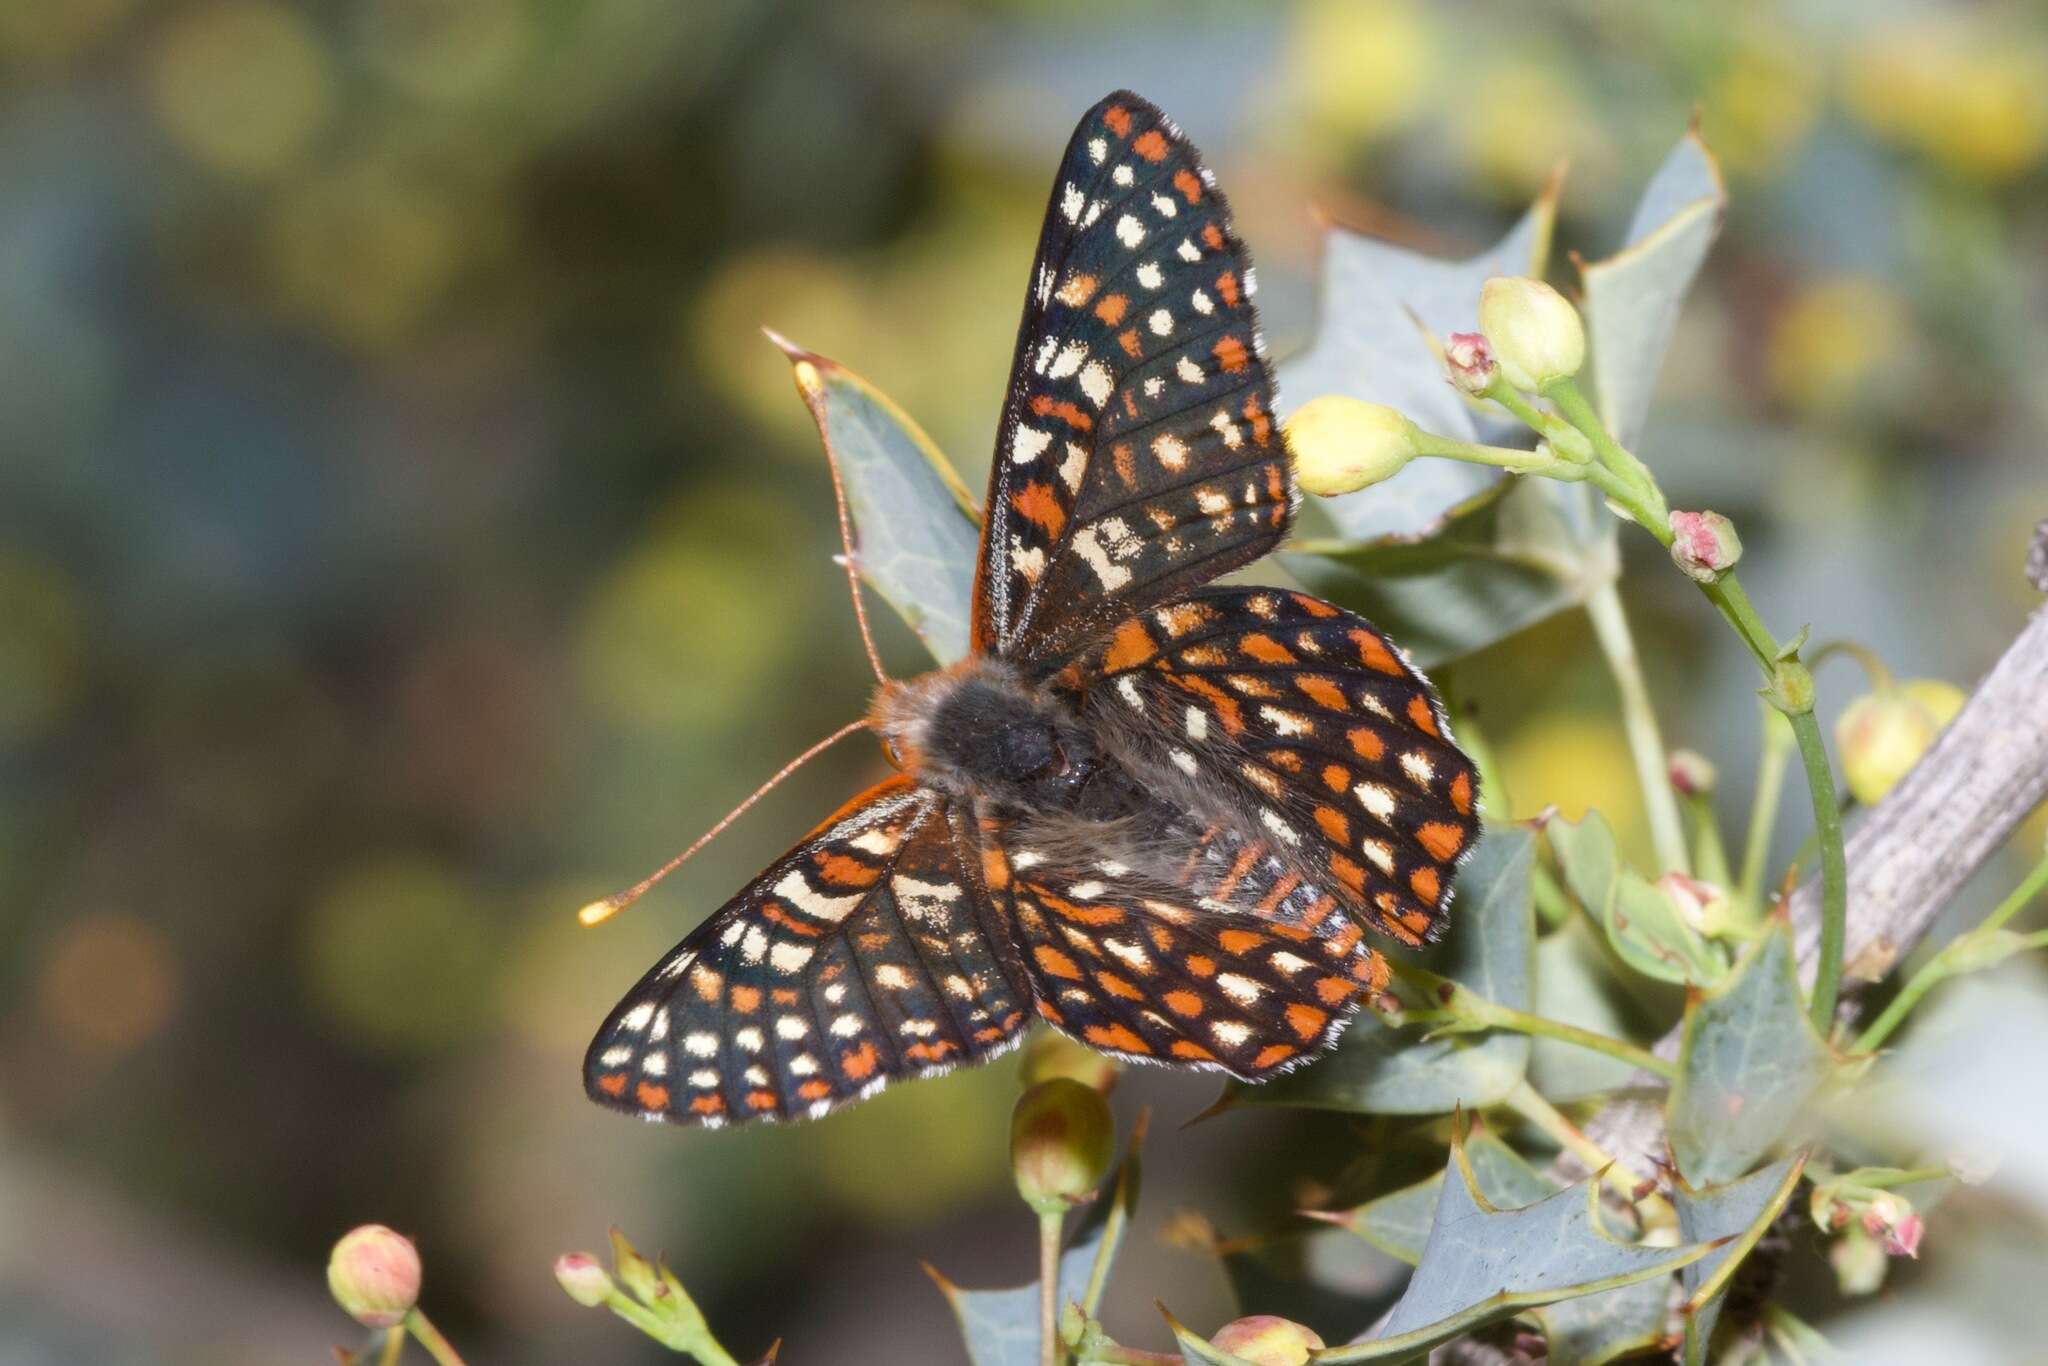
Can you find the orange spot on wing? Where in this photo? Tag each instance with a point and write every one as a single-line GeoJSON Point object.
{"type": "Point", "coordinates": [1129, 647]}
{"type": "Point", "coordinates": [1183, 1003]}
{"type": "Point", "coordinates": [1118, 1037]}
{"type": "Point", "coordinates": [774, 914]}
{"type": "Point", "coordinates": [1039, 505]}
{"type": "Point", "coordinates": [1427, 884]}
{"type": "Point", "coordinates": [1336, 777]}
{"type": "Point", "coordinates": [1068, 413]}
{"type": "Point", "coordinates": [1397, 926]}
{"type": "Point", "coordinates": [651, 1095]}
{"type": "Point", "coordinates": [1117, 986]}
{"type": "Point", "coordinates": [1118, 120]}
{"type": "Point", "coordinates": [612, 1083]}
{"type": "Point", "coordinates": [760, 1100]}
{"type": "Point", "coordinates": [1131, 342]}
{"type": "Point", "coordinates": [1317, 913]}
{"type": "Point", "coordinates": [930, 1052]}
{"type": "Point", "coordinates": [1151, 145]}
{"type": "Point", "coordinates": [746, 1000]}
{"type": "Point", "coordinates": [1461, 793]}
{"type": "Point", "coordinates": [1212, 236]}
{"type": "Point", "coordinates": [1240, 941]}
{"type": "Point", "coordinates": [1126, 464]}
{"type": "Point", "coordinates": [860, 1064]}
{"type": "Point", "coordinates": [1055, 962]}
{"type": "Point", "coordinates": [1324, 692]}
{"type": "Point", "coordinates": [1201, 965]}
{"type": "Point", "coordinates": [1315, 607]}
{"type": "Point", "coordinates": [814, 1090]}
{"type": "Point", "coordinates": [1306, 1020]}
{"type": "Point", "coordinates": [1189, 184]}
{"type": "Point", "coordinates": [1334, 990]}
{"type": "Point", "coordinates": [1273, 1053]}
{"type": "Point", "coordinates": [1366, 741]}
{"type": "Point", "coordinates": [1222, 705]}
{"type": "Point", "coordinates": [1050, 1012]}
{"type": "Point", "coordinates": [1348, 873]}
{"type": "Point", "coordinates": [1265, 649]}
{"type": "Point", "coordinates": [842, 871]}
{"type": "Point", "coordinates": [1334, 825]}
{"type": "Point", "coordinates": [1374, 654]}
{"type": "Point", "coordinates": [1255, 413]}
{"type": "Point", "coordinates": [1442, 839]}
{"type": "Point", "coordinates": [995, 869]}
{"type": "Point", "coordinates": [1192, 1052]}
{"type": "Point", "coordinates": [1111, 309]}
{"type": "Point", "coordinates": [1226, 285]}
{"type": "Point", "coordinates": [1422, 716]}
{"type": "Point", "coordinates": [1231, 355]}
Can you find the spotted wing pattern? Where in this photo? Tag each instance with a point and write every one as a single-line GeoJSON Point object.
{"type": "Point", "coordinates": [1137, 455]}
{"type": "Point", "coordinates": [1329, 740]}
{"type": "Point", "coordinates": [1242, 967]}
{"type": "Point", "coordinates": [865, 954]}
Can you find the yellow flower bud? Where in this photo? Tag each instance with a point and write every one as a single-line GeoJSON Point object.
{"type": "Point", "coordinates": [1267, 1340]}
{"type": "Point", "coordinates": [1535, 332]}
{"type": "Point", "coordinates": [1062, 1140]}
{"type": "Point", "coordinates": [1883, 734]}
{"type": "Point", "coordinates": [1342, 444]}
{"type": "Point", "coordinates": [374, 1274]}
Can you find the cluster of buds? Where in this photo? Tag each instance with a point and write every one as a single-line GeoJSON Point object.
{"type": "Point", "coordinates": [643, 1293]}
{"type": "Point", "coordinates": [1871, 1226]}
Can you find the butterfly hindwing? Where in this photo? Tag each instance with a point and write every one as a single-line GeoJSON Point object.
{"type": "Point", "coordinates": [1137, 455]}
{"type": "Point", "coordinates": [1335, 746]}
{"type": "Point", "coordinates": [863, 955]}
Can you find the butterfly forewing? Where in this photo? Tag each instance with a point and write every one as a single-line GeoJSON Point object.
{"type": "Point", "coordinates": [1137, 455]}
{"type": "Point", "coordinates": [1334, 747]}
{"type": "Point", "coordinates": [863, 955]}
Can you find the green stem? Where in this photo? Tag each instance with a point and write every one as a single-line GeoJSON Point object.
{"type": "Point", "coordinates": [1545, 463]}
{"type": "Point", "coordinates": [1521, 1022]}
{"type": "Point", "coordinates": [430, 1338]}
{"type": "Point", "coordinates": [394, 1343]}
{"type": "Point", "coordinates": [1572, 403]}
{"type": "Point", "coordinates": [1942, 966]}
{"type": "Point", "coordinates": [1709, 855]}
{"type": "Point", "coordinates": [1891, 1180]}
{"type": "Point", "coordinates": [1834, 896]}
{"type": "Point", "coordinates": [1639, 719]}
{"type": "Point", "coordinates": [1763, 810]}
{"type": "Point", "coordinates": [1564, 438]}
{"type": "Point", "coordinates": [1049, 1288]}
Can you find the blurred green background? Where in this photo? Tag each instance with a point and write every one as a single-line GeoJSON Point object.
{"type": "Point", "coordinates": [407, 535]}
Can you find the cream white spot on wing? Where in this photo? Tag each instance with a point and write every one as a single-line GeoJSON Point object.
{"type": "Point", "coordinates": [846, 1026]}
{"type": "Point", "coordinates": [1129, 953]}
{"type": "Point", "coordinates": [1185, 762]}
{"type": "Point", "coordinates": [1028, 858]}
{"type": "Point", "coordinates": [918, 1029]}
{"type": "Point", "coordinates": [1072, 201]}
{"type": "Point", "coordinates": [1161, 322]}
{"type": "Point", "coordinates": [1028, 444]}
{"type": "Point", "coordinates": [1189, 372]}
{"type": "Point", "coordinates": [1130, 231]}
{"type": "Point", "coordinates": [1242, 990]}
{"type": "Point", "coordinates": [835, 993]}
{"type": "Point", "coordinates": [1068, 361]}
{"type": "Point", "coordinates": [1375, 799]}
{"type": "Point", "coordinates": [1188, 251]}
{"type": "Point", "coordinates": [1289, 963]}
{"type": "Point", "coordinates": [636, 1019]}
{"type": "Point", "coordinates": [1287, 723]}
{"type": "Point", "coordinates": [1204, 305]}
{"type": "Point", "coordinates": [1087, 891]}
{"type": "Point", "coordinates": [1098, 150]}
{"type": "Point", "coordinates": [749, 1038]}
{"type": "Point", "coordinates": [1164, 206]}
{"type": "Point", "coordinates": [1275, 822]}
{"type": "Point", "coordinates": [1170, 451]}
{"type": "Point", "coordinates": [881, 843]}
{"type": "Point", "coordinates": [892, 976]}
{"type": "Point", "coordinates": [658, 1031]}
{"type": "Point", "coordinates": [1418, 768]}
{"type": "Point", "coordinates": [1228, 430]}
{"type": "Point", "coordinates": [1097, 383]}
{"type": "Point", "coordinates": [832, 909]}
{"type": "Point", "coordinates": [788, 958]}
{"type": "Point", "coordinates": [1150, 276]}
{"type": "Point", "coordinates": [803, 1064]}
{"type": "Point", "coordinates": [1103, 546]}
{"type": "Point", "coordinates": [618, 1055]}
{"type": "Point", "coordinates": [1029, 563]}
{"type": "Point", "coordinates": [1211, 502]}
{"type": "Point", "coordinates": [1154, 387]}
{"type": "Point", "coordinates": [1230, 1033]}
{"type": "Point", "coordinates": [701, 1044]}
{"type": "Point", "coordinates": [1196, 723]}
{"type": "Point", "coordinates": [1378, 854]}
{"type": "Point", "coordinates": [1127, 688]}
{"type": "Point", "coordinates": [791, 1027]}
{"type": "Point", "coordinates": [756, 1075]}
{"type": "Point", "coordinates": [1123, 175]}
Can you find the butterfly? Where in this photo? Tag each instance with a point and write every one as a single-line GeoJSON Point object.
{"type": "Point", "coordinates": [1159, 815]}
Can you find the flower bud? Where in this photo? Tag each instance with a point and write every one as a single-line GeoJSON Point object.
{"type": "Point", "coordinates": [1702, 905]}
{"type": "Point", "coordinates": [635, 1272]}
{"type": "Point", "coordinates": [1859, 1263]}
{"type": "Point", "coordinates": [1267, 1340]}
{"type": "Point", "coordinates": [587, 1283]}
{"type": "Point", "coordinates": [1052, 1054]}
{"type": "Point", "coordinates": [1062, 1140]}
{"type": "Point", "coordinates": [1470, 363]}
{"type": "Point", "coordinates": [1691, 773]}
{"type": "Point", "coordinates": [1883, 734]}
{"type": "Point", "coordinates": [1893, 1223]}
{"type": "Point", "coordinates": [374, 1274]}
{"type": "Point", "coordinates": [1704, 545]}
{"type": "Point", "coordinates": [1535, 333]}
{"type": "Point", "coordinates": [1342, 444]}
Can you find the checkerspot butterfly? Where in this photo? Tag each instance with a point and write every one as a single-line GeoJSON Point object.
{"type": "Point", "coordinates": [1159, 815]}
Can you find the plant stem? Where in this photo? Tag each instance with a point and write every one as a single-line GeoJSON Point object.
{"type": "Point", "coordinates": [1527, 1102]}
{"type": "Point", "coordinates": [430, 1338]}
{"type": "Point", "coordinates": [1049, 1288]}
{"type": "Point", "coordinates": [1496, 1016]}
{"type": "Point", "coordinates": [1834, 905]}
{"type": "Point", "coordinates": [1941, 967]}
{"type": "Point", "coordinates": [1763, 811]}
{"type": "Point", "coordinates": [394, 1343]}
{"type": "Point", "coordinates": [1623, 462]}
{"type": "Point", "coordinates": [1546, 463]}
{"type": "Point", "coordinates": [1639, 718]}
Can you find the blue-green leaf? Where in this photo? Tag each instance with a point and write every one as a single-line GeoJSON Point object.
{"type": "Point", "coordinates": [1642, 923]}
{"type": "Point", "coordinates": [915, 528]}
{"type": "Point", "coordinates": [1742, 1212]}
{"type": "Point", "coordinates": [1748, 1065]}
{"type": "Point", "coordinates": [1398, 1224]}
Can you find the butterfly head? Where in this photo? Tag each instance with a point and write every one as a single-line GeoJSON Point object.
{"type": "Point", "coordinates": [978, 729]}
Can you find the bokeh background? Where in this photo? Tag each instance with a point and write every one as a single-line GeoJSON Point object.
{"type": "Point", "coordinates": [407, 535]}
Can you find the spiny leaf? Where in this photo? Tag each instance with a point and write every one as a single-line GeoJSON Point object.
{"type": "Point", "coordinates": [915, 524]}
{"type": "Point", "coordinates": [1399, 1224]}
{"type": "Point", "coordinates": [1742, 1212]}
{"type": "Point", "coordinates": [1642, 923]}
{"type": "Point", "coordinates": [1482, 1263]}
{"type": "Point", "coordinates": [1595, 1329]}
{"type": "Point", "coordinates": [1377, 1069]}
{"type": "Point", "coordinates": [1633, 297]}
{"type": "Point", "coordinates": [1748, 1064]}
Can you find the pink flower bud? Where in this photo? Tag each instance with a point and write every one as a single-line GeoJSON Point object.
{"type": "Point", "coordinates": [1703, 905]}
{"type": "Point", "coordinates": [1691, 773]}
{"type": "Point", "coordinates": [1267, 1340]}
{"type": "Point", "coordinates": [1469, 360]}
{"type": "Point", "coordinates": [586, 1282]}
{"type": "Point", "coordinates": [374, 1274]}
{"type": "Point", "coordinates": [1062, 1141]}
{"type": "Point", "coordinates": [1892, 1222]}
{"type": "Point", "coordinates": [1704, 545]}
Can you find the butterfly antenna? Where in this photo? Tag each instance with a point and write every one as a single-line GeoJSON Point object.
{"type": "Point", "coordinates": [811, 386]}
{"type": "Point", "coordinates": [598, 911]}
